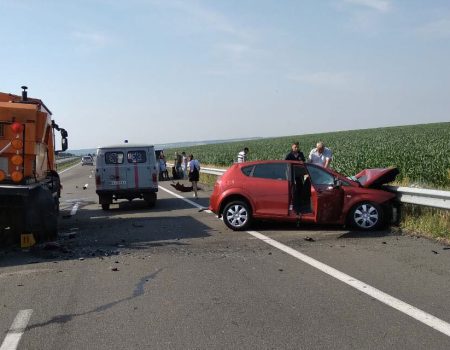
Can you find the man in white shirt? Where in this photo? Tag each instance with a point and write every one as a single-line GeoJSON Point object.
{"type": "Point", "coordinates": [321, 155]}
{"type": "Point", "coordinates": [242, 155]}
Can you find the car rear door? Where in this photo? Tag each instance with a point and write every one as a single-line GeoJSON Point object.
{"type": "Point", "coordinates": [327, 199]}
{"type": "Point", "coordinates": [269, 189]}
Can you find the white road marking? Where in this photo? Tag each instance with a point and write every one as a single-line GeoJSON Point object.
{"type": "Point", "coordinates": [395, 303]}
{"type": "Point", "coordinates": [74, 209]}
{"type": "Point", "coordinates": [185, 199]}
{"type": "Point", "coordinates": [63, 171]}
{"type": "Point", "coordinates": [16, 331]}
{"type": "Point", "coordinates": [417, 314]}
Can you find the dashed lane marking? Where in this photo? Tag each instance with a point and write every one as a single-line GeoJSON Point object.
{"type": "Point", "coordinates": [16, 331]}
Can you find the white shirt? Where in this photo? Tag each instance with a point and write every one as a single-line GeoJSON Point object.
{"type": "Point", "coordinates": [316, 158]}
{"type": "Point", "coordinates": [242, 157]}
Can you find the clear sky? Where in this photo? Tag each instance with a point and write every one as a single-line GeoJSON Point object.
{"type": "Point", "coordinates": [161, 71]}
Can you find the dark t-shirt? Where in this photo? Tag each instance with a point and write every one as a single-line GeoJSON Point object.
{"type": "Point", "coordinates": [292, 156]}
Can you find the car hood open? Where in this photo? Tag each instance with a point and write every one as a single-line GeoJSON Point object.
{"type": "Point", "coordinates": [374, 178]}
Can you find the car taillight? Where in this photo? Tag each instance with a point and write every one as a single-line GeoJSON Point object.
{"type": "Point", "coordinates": [97, 180]}
{"type": "Point", "coordinates": [154, 178]}
{"type": "Point", "coordinates": [2, 175]}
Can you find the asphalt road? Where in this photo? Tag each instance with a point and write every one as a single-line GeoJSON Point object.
{"type": "Point", "coordinates": [174, 277]}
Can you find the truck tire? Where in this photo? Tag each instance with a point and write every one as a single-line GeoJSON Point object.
{"type": "Point", "coordinates": [42, 215]}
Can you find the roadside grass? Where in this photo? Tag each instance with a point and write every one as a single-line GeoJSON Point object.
{"type": "Point", "coordinates": [427, 222]}
{"type": "Point", "coordinates": [61, 167]}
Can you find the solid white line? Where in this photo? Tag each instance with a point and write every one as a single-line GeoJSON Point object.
{"type": "Point", "coordinates": [185, 199]}
{"type": "Point", "coordinates": [395, 303]}
{"type": "Point", "coordinates": [63, 171]}
{"type": "Point", "coordinates": [417, 314]}
{"type": "Point", "coordinates": [16, 331]}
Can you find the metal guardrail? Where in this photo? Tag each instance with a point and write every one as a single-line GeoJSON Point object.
{"type": "Point", "coordinates": [418, 196]}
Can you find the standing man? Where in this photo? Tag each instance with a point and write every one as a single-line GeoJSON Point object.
{"type": "Point", "coordinates": [295, 154]}
{"type": "Point", "coordinates": [184, 164]}
{"type": "Point", "coordinates": [242, 155]}
{"type": "Point", "coordinates": [321, 155]}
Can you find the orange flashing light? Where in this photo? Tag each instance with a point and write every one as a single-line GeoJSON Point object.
{"type": "Point", "coordinates": [17, 159]}
{"type": "Point", "coordinates": [2, 175]}
{"type": "Point", "coordinates": [17, 144]}
{"type": "Point", "coordinates": [16, 176]}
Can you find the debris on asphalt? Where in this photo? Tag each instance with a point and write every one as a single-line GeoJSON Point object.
{"type": "Point", "coordinates": [81, 259]}
{"type": "Point", "coordinates": [114, 269]}
{"type": "Point", "coordinates": [435, 252]}
{"type": "Point", "coordinates": [383, 243]}
{"type": "Point", "coordinates": [281, 270]}
{"type": "Point", "coordinates": [446, 248]}
{"type": "Point", "coordinates": [270, 253]}
{"type": "Point", "coordinates": [309, 239]}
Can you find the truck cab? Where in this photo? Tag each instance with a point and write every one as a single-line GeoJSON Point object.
{"type": "Point", "coordinates": [126, 171]}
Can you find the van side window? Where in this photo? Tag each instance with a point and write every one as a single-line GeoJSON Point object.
{"type": "Point", "coordinates": [114, 157]}
{"type": "Point", "coordinates": [136, 157]}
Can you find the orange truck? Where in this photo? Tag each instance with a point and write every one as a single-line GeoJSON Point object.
{"type": "Point", "coordinates": [29, 183]}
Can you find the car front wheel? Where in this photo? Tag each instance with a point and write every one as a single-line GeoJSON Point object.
{"type": "Point", "coordinates": [237, 215]}
{"type": "Point", "coordinates": [366, 216]}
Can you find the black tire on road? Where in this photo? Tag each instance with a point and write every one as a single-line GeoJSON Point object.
{"type": "Point", "coordinates": [237, 215]}
{"type": "Point", "coordinates": [150, 198]}
{"type": "Point", "coordinates": [366, 216]}
{"type": "Point", "coordinates": [105, 206]}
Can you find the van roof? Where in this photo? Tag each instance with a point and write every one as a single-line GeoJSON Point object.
{"type": "Point", "coordinates": [126, 145]}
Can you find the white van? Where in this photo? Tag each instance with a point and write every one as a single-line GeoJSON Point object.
{"type": "Point", "coordinates": [126, 172]}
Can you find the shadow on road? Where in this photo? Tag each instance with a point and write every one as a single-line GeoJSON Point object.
{"type": "Point", "coordinates": [132, 227]}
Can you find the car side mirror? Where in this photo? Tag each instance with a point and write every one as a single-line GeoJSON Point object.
{"type": "Point", "coordinates": [337, 183]}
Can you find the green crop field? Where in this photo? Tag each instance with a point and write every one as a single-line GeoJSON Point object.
{"type": "Point", "coordinates": [421, 152]}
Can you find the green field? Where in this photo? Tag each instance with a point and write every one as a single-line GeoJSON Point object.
{"type": "Point", "coordinates": [421, 152]}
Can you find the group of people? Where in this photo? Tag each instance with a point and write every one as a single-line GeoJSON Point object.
{"type": "Point", "coordinates": [184, 167]}
{"type": "Point", "coordinates": [320, 155]}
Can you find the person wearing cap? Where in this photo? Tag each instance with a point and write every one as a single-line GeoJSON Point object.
{"type": "Point", "coordinates": [321, 155]}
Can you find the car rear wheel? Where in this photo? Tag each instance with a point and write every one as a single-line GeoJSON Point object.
{"type": "Point", "coordinates": [237, 215]}
{"type": "Point", "coordinates": [366, 216]}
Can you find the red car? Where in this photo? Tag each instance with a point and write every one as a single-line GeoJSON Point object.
{"type": "Point", "coordinates": [302, 192]}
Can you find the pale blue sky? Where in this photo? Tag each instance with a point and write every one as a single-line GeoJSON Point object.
{"type": "Point", "coordinates": [162, 71]}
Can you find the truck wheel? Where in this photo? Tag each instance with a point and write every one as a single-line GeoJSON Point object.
{"type": "Point", "coordinates": [150, 198]}
{"type": "Point", "coordinates": [42, 216]}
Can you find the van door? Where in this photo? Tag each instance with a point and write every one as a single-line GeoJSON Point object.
{"type": "Point", "coordinates": [138, 169]}
{"type": "Point", "coordinates": [113, 173]}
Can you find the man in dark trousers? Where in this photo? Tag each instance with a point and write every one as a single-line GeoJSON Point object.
{"type": "Point", "coordinates": [295, 154]}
